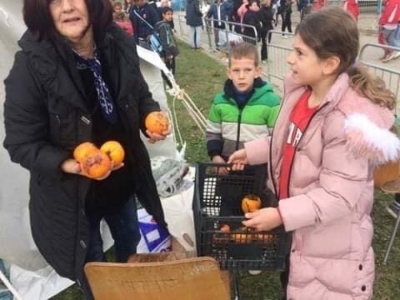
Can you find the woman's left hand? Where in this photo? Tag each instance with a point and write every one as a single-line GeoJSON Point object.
{"type": "Point", "coordinates": [263, 219]}
{"type": "Point", "coordinates": [155, 137]}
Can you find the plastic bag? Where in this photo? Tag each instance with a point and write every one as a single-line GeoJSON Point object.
{"type": "Point", "coordinates": [168, 174]}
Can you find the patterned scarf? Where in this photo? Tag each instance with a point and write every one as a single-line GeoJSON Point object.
{"type": "Point", "coordinates": [106, 102]}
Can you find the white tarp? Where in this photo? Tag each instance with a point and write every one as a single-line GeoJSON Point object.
{"type": "Point", "coordinates": [30, 274]}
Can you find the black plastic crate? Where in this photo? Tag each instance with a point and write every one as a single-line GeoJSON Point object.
{"type": "Point", "coordinates": [217, 205]}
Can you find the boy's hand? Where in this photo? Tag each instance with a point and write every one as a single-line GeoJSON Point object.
{"type": "Point", "coordinates": [238, 159]}
{"type": "Point", "coordinates": [219, 160]}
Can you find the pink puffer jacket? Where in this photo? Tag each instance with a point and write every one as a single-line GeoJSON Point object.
{"type": "Point", "coordinates": [331, 191]}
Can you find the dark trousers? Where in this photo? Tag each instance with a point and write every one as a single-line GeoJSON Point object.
{"type": "Point", "coordinates": [125, 233]}
{"type": "Point", "coordinates": [287, 22]}
{"type": "Point", "coordinates": [170, 64]}
{"type": "Point", "coordinates": [264, 50]}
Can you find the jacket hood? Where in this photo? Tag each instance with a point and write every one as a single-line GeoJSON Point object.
{"type": "Point", "coordinates": [260, 88]}
{"type": "Point", "coordinates": [368, 127]}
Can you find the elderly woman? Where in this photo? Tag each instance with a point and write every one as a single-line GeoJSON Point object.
{"type": "Point", "coordinates": [77, 79]}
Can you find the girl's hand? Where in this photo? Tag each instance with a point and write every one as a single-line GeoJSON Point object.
{"type": "Point", "coordinates": [238, 159]}
{"type": "Point", "coordinates": [155, 137]}
{"type": "Point", "coordinates": [263, 219]}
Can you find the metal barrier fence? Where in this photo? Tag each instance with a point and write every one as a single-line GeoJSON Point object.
{"type": "Point", "coordinates": [220, 37]}
{"type": "Point", "coordinates": [277, 67]}
{"type": "Point", "coordinates": [365, 6]}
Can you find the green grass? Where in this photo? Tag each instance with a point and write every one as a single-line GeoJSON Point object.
{"type": "Point", "coordinates": [202, 77]}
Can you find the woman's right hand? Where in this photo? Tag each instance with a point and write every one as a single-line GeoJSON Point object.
{"type": "Point", "coordinates": [238, 159]}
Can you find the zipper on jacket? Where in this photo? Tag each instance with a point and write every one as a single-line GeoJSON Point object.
{"type": "Point", "coordinates": [305, 129]}
{"type": "Point", "coordinates": [238, 129]}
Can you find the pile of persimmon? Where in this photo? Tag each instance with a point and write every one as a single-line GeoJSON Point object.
{"type": "Point", "coordinates": [96, 163]}
{"type": "Point", "coordinates": [157, 122]}
{"type": "Point", "coordinates": [242, 235]}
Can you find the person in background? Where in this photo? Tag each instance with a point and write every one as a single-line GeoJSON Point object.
{"type": "Point", "coordinates": [325, 145]}
{"type": "Point", "coordinates": [166, 3]}
{"type": "Point", "coordinates": [266, 17]}
{"type": "Point", "coordinates": [241, 12]}
{"type": "Point", "coordinates": [122, 19]}
{"type": "Point", "coordinates": [143, 17]}
{"type": "Point", "coordinates": [304, 7]}
{"type": "Point", "coordinates": [218, 15]}
{"type": "Point", "coordinates": [82, 83]}
{"type": "Point", "coordinates": [204, 10]}
{"type": "Point", "coordinates": [251, 18]}
{"type": "Point", "coordinates": [169, 45]}
{"type": "Point", "coordinates": [388, 23]}
{"type": "Point", "coordinates": [351, 6]}
{"type": "Point", "coordinates": [194, 21]}
{"type": "Point", "coordinates": [129, 5]}
{"type": "Point", "coordinates": [286, 12]}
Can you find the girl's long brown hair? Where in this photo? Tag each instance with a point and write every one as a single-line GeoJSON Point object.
{"type": "Point", "coordinates": [333, 32]}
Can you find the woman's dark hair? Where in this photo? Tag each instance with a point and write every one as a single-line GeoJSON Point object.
{"type": "Point", "coordinates": [333, 32]}
{"type": "Point", "coordinates": [39, 21]}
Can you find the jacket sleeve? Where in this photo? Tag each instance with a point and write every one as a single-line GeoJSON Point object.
{"type": "Point", "coordinates": [258, 150]}
{"type": "Point", "coordinates": [388, 12]}
{"type": "Point", "coordinates": [342, 179]}
{"type": "Point", "coordinates": [214, 132]}
{"type": "Point", "coordinates": [26, 120]}
{"type": "Point", "coordinates": [273, 113]}
{"type": "Point", "coordinates": [164, 38]}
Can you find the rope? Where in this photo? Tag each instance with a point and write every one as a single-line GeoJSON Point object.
{"type": "Point", "coordinates": [9, 286]}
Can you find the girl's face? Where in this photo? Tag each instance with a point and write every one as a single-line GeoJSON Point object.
{"type": "Point", "coordinates": [306, 68]}
{"type": "Point", "coordinates": [254, 6]}
{"type": "Point", "coordinates": [70, 18]}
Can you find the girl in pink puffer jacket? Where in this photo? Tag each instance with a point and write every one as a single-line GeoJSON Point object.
{"type": "Point", "coordinates": [327, 140]}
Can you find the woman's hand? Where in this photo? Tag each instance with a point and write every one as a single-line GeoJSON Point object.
{"type": "Point", "coordinates": [155, 137]}
{"type": "Point", "coordinates": [263, 219]}
{"type": "Point", "coordinates": [238, 159]}
{"type": "Point", "coordinates": [72, 166]}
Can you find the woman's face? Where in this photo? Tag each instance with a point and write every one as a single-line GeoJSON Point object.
{"type": "Point", "coordinates": [70, 17]}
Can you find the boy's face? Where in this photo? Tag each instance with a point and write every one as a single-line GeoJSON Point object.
{"type": "Point", "coordinates": [168, 16]}
{"type": "Point", "coordinates": [117, 9]}
{"type": "Point", "coordinates": [242, 72]}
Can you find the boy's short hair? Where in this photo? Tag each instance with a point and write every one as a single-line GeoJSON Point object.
{"type": "Point", "coordinates": [244, 50]}
{"type": "Point", "coordinates": [166, 9]}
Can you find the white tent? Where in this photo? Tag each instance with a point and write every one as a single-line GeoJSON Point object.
{"type": "Point", "coordinates": [32, 277]}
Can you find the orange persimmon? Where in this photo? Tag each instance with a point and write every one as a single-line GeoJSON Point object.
{"type": "Point", "coordinates": [114, 151]}
{"type": "Point", "coordinates": [250, 203]}
{"type": "Point", "coordinates": [157, 122]}
{"type": "Point", "coordinates": [82, 150]}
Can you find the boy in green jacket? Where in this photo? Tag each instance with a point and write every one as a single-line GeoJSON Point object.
{"type": "Point", "coordinates": [247, 108]}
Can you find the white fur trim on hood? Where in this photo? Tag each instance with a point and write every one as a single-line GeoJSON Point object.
{"type": "Point", "coordinates": [367, 139]}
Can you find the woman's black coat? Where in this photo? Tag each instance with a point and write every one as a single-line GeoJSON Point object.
{"type": "Point", "coordinates": [46, 118]}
